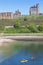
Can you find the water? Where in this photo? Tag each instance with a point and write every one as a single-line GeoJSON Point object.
{"type": "Point", "coordinates": [22, 50]}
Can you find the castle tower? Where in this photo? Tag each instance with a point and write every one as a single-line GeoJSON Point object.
{"type": "Point", "coordinates": [37, 10]}
{"type": "Point", "coordinates": [34, 10]}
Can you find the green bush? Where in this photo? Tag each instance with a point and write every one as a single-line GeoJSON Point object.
{"type": "Point", "coordinates": [17, 25]}
{"type": "Point", "coordinates": [25, 19]}
{"type": "Point", "coordinates": [40, 27]}
{"type": "Point", "coordinates": [24, 30]}
{"type": "Point", "coordinates": [33, 28]}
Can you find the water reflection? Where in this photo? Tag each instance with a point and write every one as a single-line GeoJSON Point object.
{"type": "Point", "coordinates": [20, 50]}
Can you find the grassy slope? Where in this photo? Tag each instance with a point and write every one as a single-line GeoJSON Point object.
{"type": "Point", "coordinates": [30, 19]}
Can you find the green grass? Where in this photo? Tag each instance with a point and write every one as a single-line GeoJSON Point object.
{"type": "Point", "coordinates": [22, 20]}
{"type": "Point", "coordinates": [1, 29]}
{"type": "Point", "coordinates": [24, 34]}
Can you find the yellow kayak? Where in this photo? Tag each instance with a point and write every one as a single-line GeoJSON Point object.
{"type": "Point", "coordinates": [23, 61]}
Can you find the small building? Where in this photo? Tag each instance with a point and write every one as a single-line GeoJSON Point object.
{"type": "Point", "coordinates": [34, 10]}
{"type": "Point", "coordinates": [17, 14]}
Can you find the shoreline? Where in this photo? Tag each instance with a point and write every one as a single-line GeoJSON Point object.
{"type": "Point", "coordinates": [11, 39]}
{"type": "Point", "coordinates": [24, 38]}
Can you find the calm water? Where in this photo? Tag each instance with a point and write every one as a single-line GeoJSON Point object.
{"type": "Point", "coordinates": [20, 50]}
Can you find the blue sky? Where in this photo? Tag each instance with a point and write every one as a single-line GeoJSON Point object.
{"type": "Point", "coordinates": [22, 5]}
